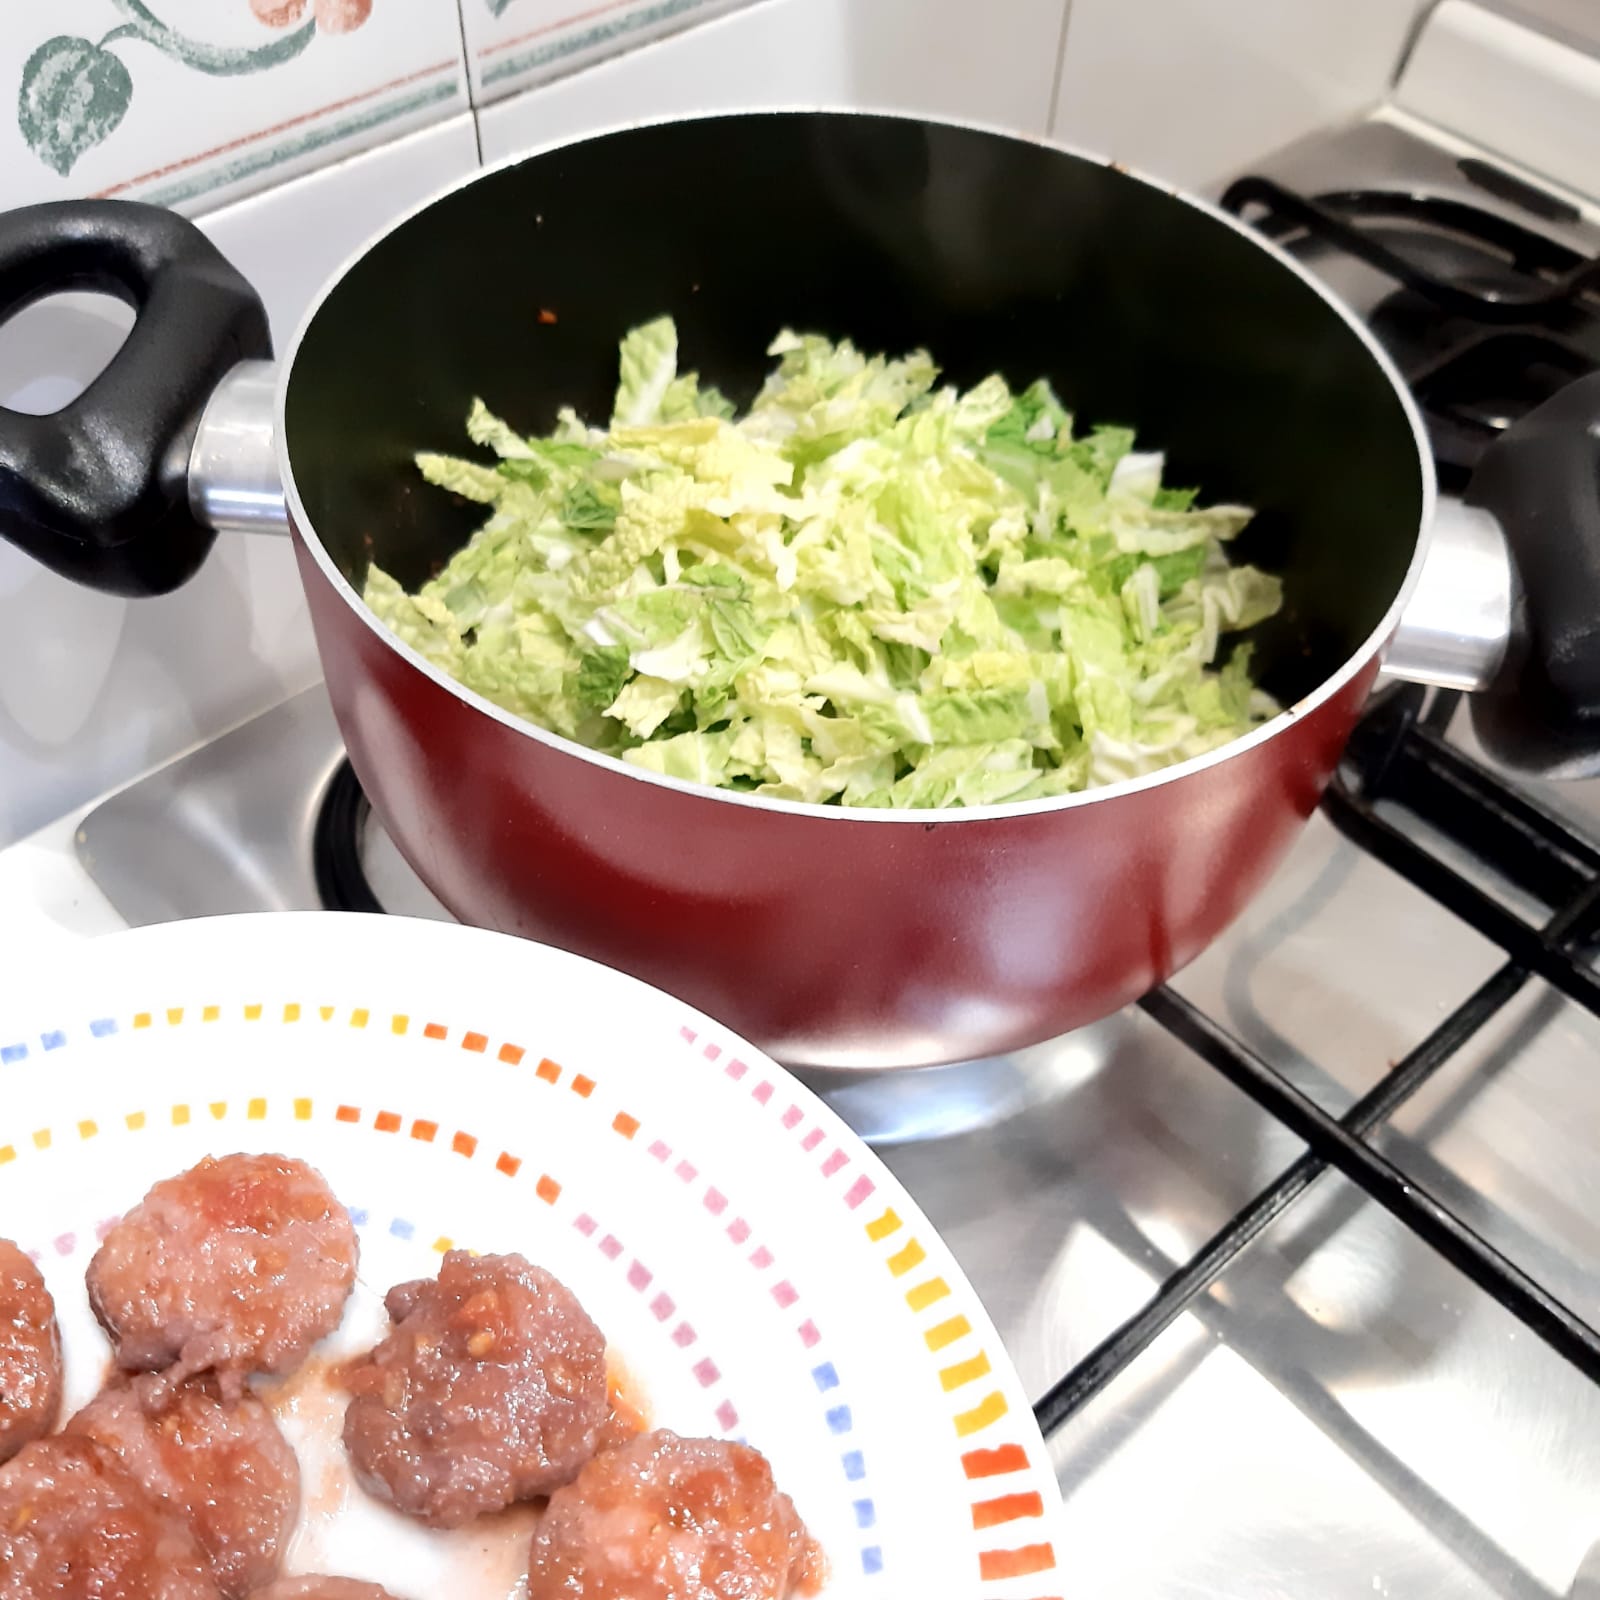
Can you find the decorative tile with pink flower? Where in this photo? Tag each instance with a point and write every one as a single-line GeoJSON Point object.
{"type": "Point", "coordinates": [191, 102]}
{"type": "Point", "coordinates": [512, 44]}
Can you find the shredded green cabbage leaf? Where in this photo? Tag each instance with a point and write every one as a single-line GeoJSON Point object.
{"type": "Point", "coordinates": [868, 590]}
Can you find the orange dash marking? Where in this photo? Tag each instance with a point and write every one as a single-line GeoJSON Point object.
{"type": "Point", "coordinates": [993, 1463]}
{"type": "Point", "coordinates": [548, 1070]}
{"type": "Point", "coordinates": [547, 1189]}
{"type": "Point", "coordinates": [583, 1086]}
{"type": "Point", "coordinates": [993, 1565]}
{"type": "Point", "coordinates": [474, 1041]}
{"type": "Point", "coordinates": [1006, 1508]}
{"type": "Point", "coordinates": [625, 1125]}
{"type": "Point", "coordinates": [464, 1144]}
{"type": "Point", "coordinates": [508, 1164]}
{"type": "Point", "coordinates": [387, 1122]}
{"type": "Point", "coordinates": [424, 1130]}
{"type": "Point", "coordinates": [347, 1114]}
{"type": "Point", "coordinates": [511, 1054]}
{"type": "Point", "coordinates": [435, 1030]}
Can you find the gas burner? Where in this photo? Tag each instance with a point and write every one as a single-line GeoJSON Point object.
{"type": "Point", "coordinates": [1489, 318]}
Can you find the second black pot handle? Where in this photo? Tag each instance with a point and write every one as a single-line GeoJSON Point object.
{"type": "Point", "coordinates": [1541, 482]}
{"type": "Point", "coordinates": [96, 491]}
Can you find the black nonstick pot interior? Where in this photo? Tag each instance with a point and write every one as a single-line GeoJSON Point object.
{"type": "Point", "coordinates": [993, 252]}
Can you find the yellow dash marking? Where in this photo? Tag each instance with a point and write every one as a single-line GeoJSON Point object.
{"type": "Point", "coordinates": [87, 1129]}
{"type": "Point", "coordinates": [291, 1012]}
{"type": "Point", "coordinates": [41, 1139]}
{"type": "Point", "coordinates": [359, 1017]}
{"type": "Point", "coordinates": [134, 1120]}
{"type": "Point", "coordinates": [936, 1338]}
{"type": "Point", "coordinates": [252, 1013]}
{"type": "Point", "coordinates": [444, 1244]}
{"type": "Point", "coordinates": [8, 1152]}
{"type": "Point", "coordinates": [142, 1019]}
{"type": "Point", "coordinates": [256, 1110]}
{"type": "Point", "coordinates": [963, 1372]}
{"type": "Point", "coordinates": [211, 1013]}
{"type": "Point", "coordinates": [399, 1022]}
{"type": "Point", "coordinates": [219, 1109]}
{"type": "Point", "coordinates": [326, 1012]}
{"type": "Point", "coordinates": [884, 1225]}
{"type": "Point", "coordinates": [902, 1261]}
{"type": "Point", "coordinates": [988, 1410]}
{"type": "Point", "coordinates": [922, 1295]}
{"type": "Point", "coordinates": [174, 1016]}
{"type": "Point", "coordinates": [302, 1110]}
{"type": "Point", "coordinates": [180, 1115]}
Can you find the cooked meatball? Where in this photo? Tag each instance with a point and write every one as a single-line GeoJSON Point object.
{"type": "Point", "coordinates": [490, 1388]}
{"type": "Point", "coordinates": [664, 1518]}
{"type": "Point", "coordinates": [75, 1526]}
{"type": "Point", "coordinates": [222, 1466]}
{"type": "Point", "coordinates": [238, 1265]}
{"type": "Point", "coordinates": [30, 1353]}
{"type": "Point", "coordinates": [320, 1588]}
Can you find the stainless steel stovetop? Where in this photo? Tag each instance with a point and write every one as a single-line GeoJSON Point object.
{"type": "Point", "coordinates": [1341, 1412]}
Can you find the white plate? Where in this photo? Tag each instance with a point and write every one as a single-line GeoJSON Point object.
{"type": "Point", "coordinates": [756, 1268]}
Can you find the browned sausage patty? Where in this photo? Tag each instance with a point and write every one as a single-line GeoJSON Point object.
{"type": "Point", "coordinates": [664, 1518]}
{"type": "Point", "coordinates": [75, 1526]}
{"type": "Point", "coordinates": [320, 1588]}
{"type": "Point", "coordinates": [491, 1388]}
{"type": "Point", "coordinates": [238, 1265]}
{"type": "Point", "coordinates": [223, 1467]}
{"type": "Point", "coordinates": [30, 1353]}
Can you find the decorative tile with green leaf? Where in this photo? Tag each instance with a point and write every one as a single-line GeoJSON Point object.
{"type": "Point", "coordinates": [190, 101]}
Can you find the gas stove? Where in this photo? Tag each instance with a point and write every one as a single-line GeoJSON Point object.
{"type": "Point", "coordinates": [1300, 1256]}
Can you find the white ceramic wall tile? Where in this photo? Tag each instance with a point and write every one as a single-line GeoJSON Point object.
{"type": "Point", "coordinates": [512, 44]}
{"type": "Point", "coordinates": [192, 102]}
{"type": "Point", "coordinates": [95, 689]}
{"type": "Point", "coordinates": [1190, 92]}
{"type": "Point", "coordinates": [917, 55]}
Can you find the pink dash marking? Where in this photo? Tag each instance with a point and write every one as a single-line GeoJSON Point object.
{"type": "Point", "coordinates": [834, 1162]}
{"type": "Point", "coordinates": [812, 1140]}
{"type": "Point", "coordinates": [736, 1069]}
{"type": "Point", "coordinates": [712, 1050]}
{"type": "Point", "coordinates": [808, 1333]}
{"type": "Point", "coordinates": [761, 1258]}
{"type": "Point", "coordinates": [716, 1202]}
{"type": "Point", "coordinates": [686, 1171]}
{"type": "Point", "coordinates": [738, 1230]}
{"type": "Point", "coordinates": [727, 1417]}
{"type": "Point", "coordinates": [706, 1372]}
{"type": "Point", "coordinates": [66, 1243]}
{"type": "Point", "coordinates": [639, 1276]}
{"type": "Point", "coordinates": [688, 1035]}
{"type": "Point", "coordinates": [660, 1151]}
{"type": "Point", "coordinates": [762, 1092]}
{"type": "Point", "coordinates": [585, 1224]}
{"type": "Point", "coordinates": [101, 1229]}
{"type": "Point", "coordinates": [662, 1307]}
{"type": "Point", "coordinates": [683, 1336]}
{"type": "Point", "coordinates": [784, 1294]}
{"type": "Point", "coordinates": [792, 1118]}
{"type": "Point", "coordinates": [611, 1247]}
{"type": "Point", "coordinates": [857, 1192]}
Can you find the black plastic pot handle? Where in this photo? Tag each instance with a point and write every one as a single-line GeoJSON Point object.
{"type": "Point", "coordinates": [96, 491]}
{"type": "Point", "coordinates": [1541, 481]}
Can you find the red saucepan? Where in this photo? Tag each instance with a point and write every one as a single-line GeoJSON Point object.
{"type": "Point", "coordinates": [831, 937]}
